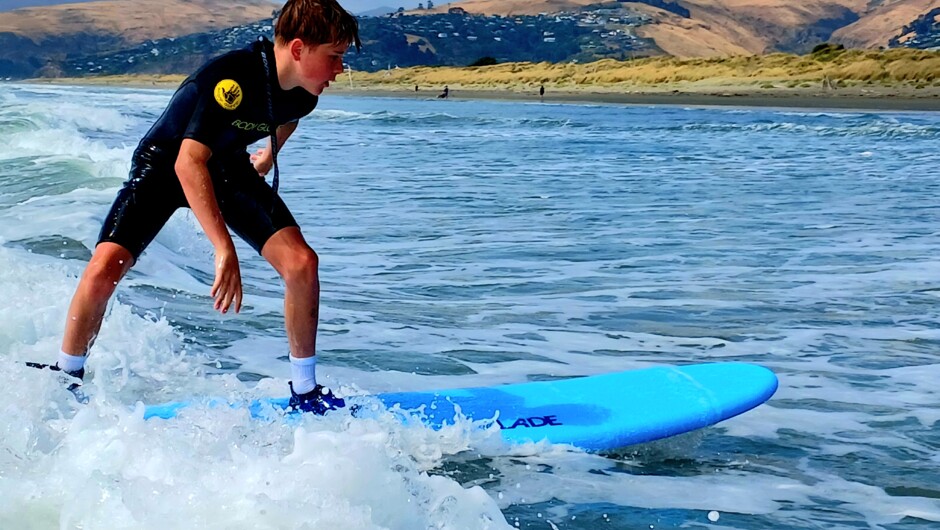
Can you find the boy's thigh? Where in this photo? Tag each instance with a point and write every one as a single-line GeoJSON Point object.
{"type": "Point", "coordinates": [251, 208]}
{"type": "Point", "coordinates": [142, 206]}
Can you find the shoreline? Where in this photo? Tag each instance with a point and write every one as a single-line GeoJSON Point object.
{"type": "Point", "coordinates": [875, 98]}
{"type": "Point", "coordinates": [885, 99]}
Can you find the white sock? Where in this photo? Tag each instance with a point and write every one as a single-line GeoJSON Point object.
{"type": "Point", "coordinates": [303, 373]}
{"type": "Point", "coordinates": [71, 363]}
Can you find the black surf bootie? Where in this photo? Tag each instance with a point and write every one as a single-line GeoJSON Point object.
{"type": "Point", "coordinates": [73, 386]}
{"type": "Point", "coordinates": [77, 374]}
{"type": "Point", "coordinates": [319, 401]}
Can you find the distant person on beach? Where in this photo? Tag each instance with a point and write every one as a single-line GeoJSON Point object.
{"type": "Point", "coordinates": [445, 94]}
{"type": "Point", "coordinates": [541, 91]}
{"type": "Point", "coordinates": [416, 88]}
{"type": "Point", "coordinates": [195, 156]}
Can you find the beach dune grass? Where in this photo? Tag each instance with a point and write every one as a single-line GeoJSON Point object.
{"type": "Point", "coordinates": [891, 66]}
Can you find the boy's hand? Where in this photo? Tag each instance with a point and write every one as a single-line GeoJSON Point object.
{"type": "Point", "coordinates": [262, 161]}
{"type": "Point", "coordinates": [227, 287]}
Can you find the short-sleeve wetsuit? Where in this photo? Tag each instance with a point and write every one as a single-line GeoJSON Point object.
{"type": "Point", "coordinates": [223, 105]}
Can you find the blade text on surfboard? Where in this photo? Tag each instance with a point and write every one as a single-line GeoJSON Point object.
{"type": "Point", "coordinates": [535, 421]}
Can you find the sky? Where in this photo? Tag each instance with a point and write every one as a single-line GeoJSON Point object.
{"type": "Point", "coordinates": [356, 6]}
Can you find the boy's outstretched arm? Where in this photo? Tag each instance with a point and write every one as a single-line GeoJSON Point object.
{"type": "Point", "coordinates": [193, 172]}
{"type": "Point", "coordinates": [262, 159]}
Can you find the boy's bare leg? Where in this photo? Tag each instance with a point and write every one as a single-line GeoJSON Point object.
{"type": "Point", "coordinates": [109, 263]}
{"type": "Point", "coordinates": [297, 264]}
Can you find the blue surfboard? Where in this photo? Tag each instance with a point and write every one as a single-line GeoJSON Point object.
{"type": "Point", "coordinates": [595, 413]}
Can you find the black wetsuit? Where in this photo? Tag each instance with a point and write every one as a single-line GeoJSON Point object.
{"type": "Point", "coordinates": [223, 105]}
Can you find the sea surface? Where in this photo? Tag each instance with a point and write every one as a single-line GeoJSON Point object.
{"type": "Point", "coordinates": [467, 243]}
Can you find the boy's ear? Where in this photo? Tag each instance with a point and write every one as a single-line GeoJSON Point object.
{"type": "Point", "coordinates": [296, 48]}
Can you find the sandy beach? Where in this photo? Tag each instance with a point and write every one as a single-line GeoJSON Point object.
{"type": "Point", "coordinates": [870, 98]}
{"type": "Point", "coordinates": [882, 98]}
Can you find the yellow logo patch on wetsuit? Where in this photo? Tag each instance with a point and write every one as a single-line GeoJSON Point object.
{"type": "Point", "coordinates": [228, 94]}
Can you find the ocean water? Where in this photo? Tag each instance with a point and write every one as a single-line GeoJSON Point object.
{"type": "Point", "coordinates": [465, 243]}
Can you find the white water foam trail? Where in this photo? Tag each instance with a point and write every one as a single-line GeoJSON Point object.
{"type": "Point", "coordinates": [103, 466]}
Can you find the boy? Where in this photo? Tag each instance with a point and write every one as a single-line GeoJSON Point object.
{"type": "Point", "coordinates": [195, 156]}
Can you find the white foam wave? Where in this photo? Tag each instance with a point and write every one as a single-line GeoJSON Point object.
{"type": "Point", "coordinates": [875, 128]}
{"type": "Point", "coordinates": [102, 465]}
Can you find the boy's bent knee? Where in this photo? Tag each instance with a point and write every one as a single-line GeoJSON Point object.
{"type": "Point", "coordinates": [101, 279]}
{"type": "Point", "coordinates": [302, 266]}
{"type": "Point", "coordinates": [105, 270]}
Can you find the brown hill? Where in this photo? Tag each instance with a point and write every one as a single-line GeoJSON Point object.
{"type": "Point", "coordinates": [734, 27]}
{"type": "Point", "coordinates": [725, 27]}
{"type": "Point", "coordinates": [131, 21]}
{"type": "Point", "coordinates": [880, 24]}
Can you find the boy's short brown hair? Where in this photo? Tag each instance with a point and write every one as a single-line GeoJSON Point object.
{"type": "Point", "coordinates": [316, 22]}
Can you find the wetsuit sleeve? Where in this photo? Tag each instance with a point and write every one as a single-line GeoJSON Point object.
{"type": "Point", "coordinates": [206, 125]}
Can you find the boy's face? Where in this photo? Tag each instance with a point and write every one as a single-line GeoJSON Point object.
{"type": "Point", "coordinates": [320, 64]}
